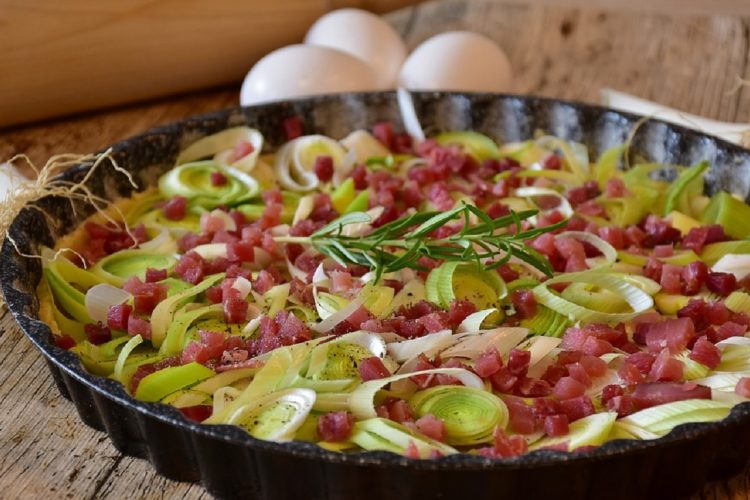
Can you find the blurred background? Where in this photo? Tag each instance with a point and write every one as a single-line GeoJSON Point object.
{"type": "Point", "coordinates": [59, 57]}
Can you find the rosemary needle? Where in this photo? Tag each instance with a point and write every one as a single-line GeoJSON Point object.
{"type": "Point", "coordinates": [401, 243]}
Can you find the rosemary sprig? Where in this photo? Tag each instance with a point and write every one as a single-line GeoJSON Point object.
{"type": "Point", "coordinates": [400, 244]}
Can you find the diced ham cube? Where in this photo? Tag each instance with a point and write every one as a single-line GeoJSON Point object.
{"type": "Point", "coordinates": [568, 387]}
{"type": "Point", "coordinates": [706, 353]}
{"type": "Point", "coordinates": [630, 374]}
{"type": "Point", "coordinates": [524, 302]}
{"type": "Point", "coordinates": [743, 387]}
{"type": "Point", "coordinates": [117, 316]}
{"type": "Point", "coordinates": [503, 380]}
{"type": "Point", "coordinates": [432, 427]}
{"type": "Point", "coordinates": [577, 408]}
{"type": "Point", "coordinates": [176, 208]}
{"type": "Point", "coordinates": [139, 326]}
{"type": "Point", "coordinates": [235, 310]}
{"type": "Point", "coordinates": [693, 277]}
{"type": "Point", "coordinates": [372, 368]}
{"type": "Point", "coordinates": [400, 411]}
{"type": "Point", "coordinates": [671, 278]}
{"type": "Point", "coordinates": [596, 347]}
{"type": "Point", "coordinates": [488, 363]}
{"type": "Point", "coordinates": [556, 425]}
{"type": "Point", "coordinates": [651, 394]}
{"type": "Point", "coordinates": [666, 368]}
{"type": "Point", "coordinates": [518, 362]}
{"type": "Point", "coordinates": [336, 426]}
{"type": "Point", "coordinates": [97, 333]}
{"type": "Point", "coordinates": [578, 372]}
{"type": "Point", "coordinates": [595, 366]}
{"type": "Point", "coordinates": [730, 329]}
{"type": "Point", "coordinates": [721, 283]}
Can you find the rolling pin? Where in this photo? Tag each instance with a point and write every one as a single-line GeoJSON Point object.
{"type": "Point", "coordinates": [58, 58]}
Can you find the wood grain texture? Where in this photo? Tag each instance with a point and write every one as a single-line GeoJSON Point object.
{"type": "Point", "coordinates": [684, 61]}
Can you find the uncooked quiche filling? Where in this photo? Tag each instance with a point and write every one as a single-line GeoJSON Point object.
{"type": "Point", "coordinates": [451, 295]}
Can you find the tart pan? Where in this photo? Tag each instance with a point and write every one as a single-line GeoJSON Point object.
{"type": "Point", "coordinates": [231, 464]}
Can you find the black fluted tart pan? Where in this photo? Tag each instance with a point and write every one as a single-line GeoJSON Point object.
{"type": "Point", "coordinates": [232, 464]}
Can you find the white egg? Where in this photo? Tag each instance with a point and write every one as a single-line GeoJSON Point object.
{"type": "Point", "coordinates": [363, 35]}
{"type": "Point", "coordinates": [457, 60]}
{"type": "Point", "coordinates": [303, 70]}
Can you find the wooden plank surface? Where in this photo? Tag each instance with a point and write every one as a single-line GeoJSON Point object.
{"type": "Point", "coordinates": [684, 61]}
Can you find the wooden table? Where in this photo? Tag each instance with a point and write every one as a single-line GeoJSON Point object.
{"type": "Point", "coordinates": [687, 61]}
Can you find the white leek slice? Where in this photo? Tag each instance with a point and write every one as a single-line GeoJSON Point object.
{"type": "Point", "coordinates": [276, 299]}
{"type": "Point", "coordinates": [99, 298]}
{"type": "Point", "coordinates": [737, 264]}
{"type": "Point", "coordinates": [386, 435]}
{"type": "Point", "coordinates": [334, 319]}
{"type": "Point", "coordinates": [203, 390]}
{"type": "Point", "coordinates": [229, 223]}
{"type": "Point", "coordinates": [722, 381]}
{"type": "Point", "coordinates": [622, 430]}
{"type": "Point", "coordinates": [243, 286]}
{"type": "Point", "coordinates": [332, 401]}
{"type": "Point", "coordinates": [529, 193]}
{"type": "Point", "coordinates": [304, 208]}
{"type": "Point", "coordinates": [296, 159]}
{"type": "Point", "coordinates": [223, 143]}
{"type": "Point", "coordinates": [362, 398]}
{"type": "Point", "coordinates": [429, 345]}
{"type": "Point", "coordinates": [161, 243]}
{"type": "Point", "coordinates": [575, 156]}
{"type": "Point", "coordinates": [412, 292]}
{"type": "Point", "coordinates": [364, 146]}
{"type": "Point", "coordinates": [222, 397]}
{"type": "Point", "coordinates": [276, 416]}
{"type": "Point", "coordinates": [327, 304]}
{"type": "Point", "coordinates": [281, 368]}
{"type": "Point", "coordinates": [211, 250]}
{"type": "Point", "coordinates": [607, 250]}
{"type": "Point", "coordinates": [733, 132]}
{"type": "Point", "coordinates": [122, 357]}
{"type": "Point", "coordinates": [409, 115]}
{"type": "Point", "coordinates": [663, 418]}
{"type": "Point", "coordinates": [474, 344]}
{"type": "Point", "coordinates": [473, 322]}
{"type": "Point", "coordinates": [587, 431]}
{"type": "Point", "coordinates": [539, 346]}
{"type": "Point", "coordinates": [638, 300]}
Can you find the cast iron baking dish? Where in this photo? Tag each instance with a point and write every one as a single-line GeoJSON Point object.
{"type": "Point", "coordinates": [231, 464]}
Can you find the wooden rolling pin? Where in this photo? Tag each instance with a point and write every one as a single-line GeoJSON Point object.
{"type": "Point", "coordinates": [63, 57]}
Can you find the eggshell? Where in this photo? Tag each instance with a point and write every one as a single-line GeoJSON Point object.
{"type": "Point", "coordinates": [457, 60]}
{"type": "Point", "coordinates": [363, 35]}
{"type": "Point", "coordinates": [303, 70]}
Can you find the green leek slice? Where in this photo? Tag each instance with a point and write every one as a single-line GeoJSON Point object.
{"type": "Point", "coordinates": [222, 143]}
{"type": "Point", "coordinates": [119, 266]}
{"type": "Point", "coordinates": [343, 196]}
{"type": "Point", "coordinates": [475, 144]}
{"type": "Point", "coordinates": [638, 300]}
{"type": "Point", "coordinates": [362, 398]}
{"type": "Point", "coordinates": [156, 386]}
{"type": "Point", "coordinates": [714, 251]}
{"type": "Point", "coordinates": [593, 430]}
{"type": "Point", "coordinates": [733, 214]}
{"type": "Point", "coordinates": [606, 166]}
{"type": "Point", "coordinates": [470, 415]}
{"type": "Point", "coordinates": [163, 314]}
{"type": "Point", "coordinates": [455, 280]}
{"type": "Point", "coordinates": [174, 340]}
{"type": "Point", "coordinates": [276, 416]}
{"type": "Point", "coordinates": [738, 302]}
{"type": "Point", "coordinates": [663, 418]}
{"type": "Point", "coordinates": [128, 348]}
{"type": "Point", "coordinates": [386, 435]}
{"type": "Point", "coordinates": [193, 181]}
{"type": "Point", "coordinates": [546, 322]}
{"type": "Point", "coordinates": [689, 181]}
{"type": "Point", "coordinates": [204, 390]}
